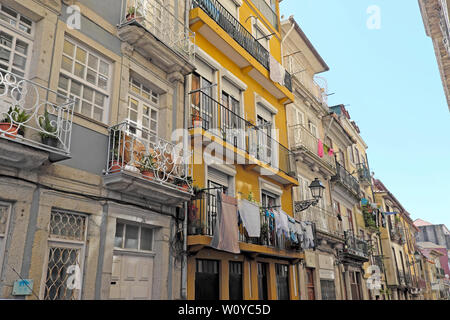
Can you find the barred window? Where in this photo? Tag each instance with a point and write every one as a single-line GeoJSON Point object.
{"type": "Point", "coordinates": [65, 259]}
{"type": "Point", "coordinates": [328, 289]}
{"type": "Point", "coordinates": [85, 77]}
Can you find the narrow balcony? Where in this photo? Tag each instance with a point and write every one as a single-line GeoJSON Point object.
{"type": "Point", "coordinates": [356, 248]}
{"type": "Point", "coordinates": [142, 164]}
{"type": "Point", "coordinates": [344, 178]}
{"type": "Point", "coordinates": [210, 19]}
{"type": "Point", "coordinates": [364, 174]}
{"type": "Point", "coordinates": [325, 220]}
{"type": "Point", "coordinates": [379, 262]}
{"type": "Point", "coordinates": [156, 33]}
{"type": "Point", "coordinates": [35, 123]}
{"type": "Point", "coordinates": [254, 147]}
{"type": "Point", "coordinates": [202, 222]}
{"type": "Point", "coordinates": [267, 11]}
{"type": "Point", "coordinates": [397, 234]}
{"type": "Point", "coordinates": [306, 147]}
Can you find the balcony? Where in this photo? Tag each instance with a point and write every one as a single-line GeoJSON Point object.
{"type": "Point", "coordinates": [210, 19]}
{"type": "Point", "coordinates": [254, 147]}
{"type": "Point", "coordinates": [35, 123]}
{"type": "Point", "coordinates": [306, 147]}
{"type": "Point", "coordinates": [355, 248]}
{"type": "Point", "coordinates": [364, 174]}
{"type": "Point", "coordinates": [379, 262]}
{"type": "Point", "coordinates": [397, 234]}
{"type": "Point", "coordinates": [344, 178]}
{"type": "Point", "coordinates": [440, 273]}
{"type": "Point", "coordinates": [202, 222]}
{"type": "Point", "coordinates": [267, 12]}
{"type": "Point", "coordinates": [153, 31]}
{"type": "Point", "coordinates": [144, 165]}
{"type": "Point", "coordinates": [325, 220]}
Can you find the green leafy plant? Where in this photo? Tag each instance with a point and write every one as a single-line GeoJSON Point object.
{"type": "Point", "coordinates": [18, 117]}
{"type": "Point", "coordinates": [46, 124]}
{"type": "Point", "coordinates": [146, 163]}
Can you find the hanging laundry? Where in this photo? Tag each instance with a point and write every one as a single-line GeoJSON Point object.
{"type": "Point", "coordinates": [284, 224]}
{"type": "Point", "coordinates": [326, 149]}
{"type": "Point", "coordinates": [331, 152]}
{"type": "Point", "coordinates": [292, 230]}
{"type": "Point", "coordinates": [277, 71]}
{"type": "Point", "coordinates": [308, 240]}
{"type": "Point", "coordinates": [251, 219]}
{"type": "Point", "coordinates": [320, 148]}
{"type": "Point", "coordinates": [226, 231]}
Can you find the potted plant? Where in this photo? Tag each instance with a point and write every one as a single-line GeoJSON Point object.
{"type": "Point", "coordinates": [131, 14]}
{"type": "Point", "coordinates": [146, 166]}
{"type": "Point", "coordinates": [48, 137]}
{"type": "Point", "coordinates": [12, 123]}
{"type": "Point", "coordinates": [183, 183]}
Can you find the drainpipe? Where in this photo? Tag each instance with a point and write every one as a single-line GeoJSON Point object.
{"type": "Point", "coordinates": [284, 38]}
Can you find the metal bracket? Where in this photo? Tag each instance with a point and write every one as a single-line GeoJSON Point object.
{"type": "Point", "coordinates": [303, 205]}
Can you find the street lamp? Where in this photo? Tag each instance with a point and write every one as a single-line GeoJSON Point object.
{"type": "Point", "coordinates": [316, 188]}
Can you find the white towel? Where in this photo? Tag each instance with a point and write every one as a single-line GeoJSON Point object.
{"type": "Point", "coordinates": [277, 72]}
{"type": "Point", "coordinates": [249, 212]}
{"type": "Point", "coordinates": [284, 224]}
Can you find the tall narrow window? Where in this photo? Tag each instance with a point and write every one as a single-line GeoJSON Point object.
{"type": "Point", "coordinates": [282, 272]}
{"type": "Point", "coordinates": [4, 218]}
{"type": "Point", "coordinates": [262, 281]}
{"type": "Point", "coordinates": [235, 280]}
{"type": "Point", "coordinates": [85, 77]}
{"type": "Point", "coordinates": [143, 105]}
{"type": "Point", "coordinates": [310, 284]}
{"type": "Point", "coordinates": [65, 258]}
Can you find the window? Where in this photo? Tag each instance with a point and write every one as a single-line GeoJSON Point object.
{"type": "Point", "coordinates": [310, 284]}
{"type": "Point", "coordinates": [313, 129]}
{"type": "Point", "coordinates": [202, 101]}
{"type": "Point", "coordinates": [262, 37]}
{"type": "Point", "coordinates": [143, 110]}
{"type": "Point", "coordinates": [328, 289]}
{"type": "Point", "coordinates": [269, 200]}
{"type": "Point", "coordinates": [207, 280]}
{"type": "Point", "coordinates": [15, 42]}
{"type": "Point", "coordinates": [133, 237]}
{"type": "Point", "coordinates": [262, 281]}
{"type": "Point", "coordinates": [282, 272]}
{"type": "Point", "coordinates": [85, 77]}
{"type": "Point", "coordinates": [230, 118]}
{"type": "Point", "coordinates": [66, 251]}
{"type": "Point", "coordinates": [357, 158]}
{"type": "Point", "coordinates": [235, 280]}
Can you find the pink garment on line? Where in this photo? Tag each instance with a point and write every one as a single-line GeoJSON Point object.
{"type": "Point", "coordinates": [330, 152]}
{"type": "Point", "coordinates": [320, 148]}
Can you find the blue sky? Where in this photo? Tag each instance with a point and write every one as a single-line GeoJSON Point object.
{"type": "Point", "coordinates": [390, 79]}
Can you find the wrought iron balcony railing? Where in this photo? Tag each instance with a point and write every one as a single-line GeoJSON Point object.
{"type": "Point", "coordinates": [397, 234]}
{"type": "Point", "coordinates": [346, 179]}
{"type": "Point", "coordinates": [219, 120]}
{"type": "Point", "coordinates": [267, 12]}
{"type": "Point", "coordinates": [364, 173]}
{"type": "Point", "coordinates": [202, 212]}
{"type": "Point", "coordinates": [302, 138]}
{"type": "Point", "coordinates": [239, 33]}
{"type": "Point", "coordinates": [163, 24]}
{"type": "Point", "coordinates": [440, 272]}
{"type": "Point", "coordinates": [378, 261]}
{"type": "Point", "coordinates": [137, 151]}
{"type": "Point", "coordinates": [355, 246]}
{"type": "Point", "coordinates": [35, 115]}
{"type": "Point", "coordinates": [324, 219]}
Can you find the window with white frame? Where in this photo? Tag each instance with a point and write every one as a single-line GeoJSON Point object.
{"type": "Point", "coordinates": [313, 129]}
{"type": "Point", "coordinates": [65, 258]}
{"type": "Point", "coordinates": [269, 200]}
{"type": "Point", "coordinates": [143, 105]}
{"type": "Point", "coordinates": [4, 218]}
{"type": "Point", "coordinates": [16, 41]}
{"type": "Point", "coordinates": [133, 237]}
{"type": "Point", "coordinates": [261, 36]}
{"type": "Point", "coordinates": [85, 77]}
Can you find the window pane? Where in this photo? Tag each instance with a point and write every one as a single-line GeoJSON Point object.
{"type": "Point", "coordinates": [93, 62]}
{"type": "Point", "coordinates": [76, 88]}
{"type": "Point", "coordinates": [131, 237]}
{"type": "Point", "coordinates": [79, 70]}
{"type": "Point", "coordinates": [88, 93]}
{"type": "Point", "coordinates": [19, 61]}
{"type": "Point", "coordinates": [91, 76]}
{"type": "Point", "coordinates": [102, 82]}
{"type": "Point", "coordinates": [104, 68]}
{"type": "Point", "coordinates": [98, 114]}
{"type": "Point", "coordinates": [81, 55]}
{"type": "Point", "coordinates": [99, 99]}
{"type": "Point", "coordinates": [146, 239]}
{"type": "Point", "coordinates": [68, 48]}
{"type": "Point", "coordinates": [4, 55]}
{"type": "Point", "coordinates": [21, 47]}
{"type": "Point", "coordinates": [6, 39]}
{"type": "Point", "coordinates": [66, 64]}
{"type": "Point", "coordinates": [118, 239]}
{"type": "Point", "coordinates": [63, 82]}
{"type": "Point", "coordinates": [86, 109]}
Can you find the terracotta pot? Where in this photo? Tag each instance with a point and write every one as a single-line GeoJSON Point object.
{"type": "Point", "coordinates": [185, 187]}
{"type": "Point", "coordinates": [130, 17]}
{"type": "Point", "coordinates": [148, 174]}
{"type": "Point", "coordinates": [115, 166]}
{"type": "Point", "coordinates": [10, 128]}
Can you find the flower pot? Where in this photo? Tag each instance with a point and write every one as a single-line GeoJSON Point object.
{"type": "Point", "coordinates": [9, 128]}
{"type": "Point", "coordinates": [148, 174]}
{"type": "Point", "coordinates": [115, 166]}
{"type": "Point", "coordinates": [50, 141]}
{"type": "Point", "coordinates": [130, 16]}
{"type": "Point", "coordinates": [184, 187]}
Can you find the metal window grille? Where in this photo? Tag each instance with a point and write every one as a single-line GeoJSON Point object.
{"type": "Point", "coordinates": [67, 225]}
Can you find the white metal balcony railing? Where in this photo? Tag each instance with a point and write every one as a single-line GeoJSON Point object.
{"type": "Point", "coordinates": [324, 219]}
{"type": "Point", "coordinates": [300, 137]}
{"type": "Point", "coordinates": [34, 115]}
{"type": "Point", "coordinates": [163, 24]}
{"type": "Point", "coordinates": [138, 152]}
